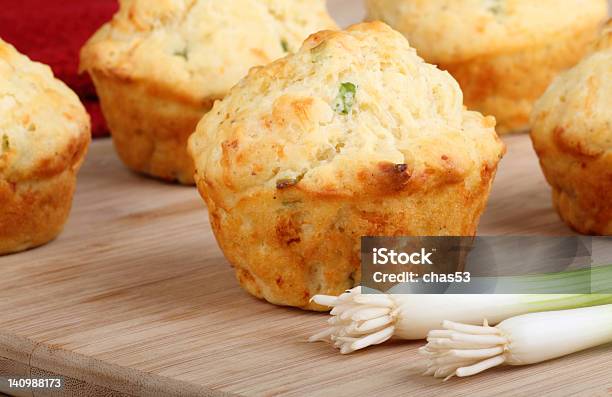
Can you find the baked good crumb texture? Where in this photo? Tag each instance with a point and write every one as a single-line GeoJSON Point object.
{"type": "Point", "coordinates": [44, 133]}
{"type": "Point", "coordinates": [354, 135]}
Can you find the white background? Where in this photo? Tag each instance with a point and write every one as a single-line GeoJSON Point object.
{"type": "Point", "coordinates": [347, 12]}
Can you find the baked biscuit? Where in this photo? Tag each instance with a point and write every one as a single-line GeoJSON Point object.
{"type": "Point", "coordinates": [572, 134]}
{"type": "Point", "coordinates": [354, 135]}
{"type": "Point", "coordinates": [44, 133]}
{"type": "Point", "coordinates": [503, 53]}
{"type": "Point", "coordinates": [158, 67]}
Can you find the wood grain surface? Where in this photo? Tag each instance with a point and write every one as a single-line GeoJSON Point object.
{"type": "Point", "coordinates": [135, 298]}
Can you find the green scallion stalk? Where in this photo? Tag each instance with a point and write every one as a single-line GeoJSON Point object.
{"type": "Point", "coordinates": [346, 98]}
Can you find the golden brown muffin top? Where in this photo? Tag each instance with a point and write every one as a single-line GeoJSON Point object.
{"type": "Point", "coordinates": [575, 114]}
{"type": "Point", "coordinates": [351, 113]}
{"type": "Point", "coordinates": [198, 49]}
{"type": "Point", "coordinates": [42, 122]}
{"type": "Point", "coordinates": [447, 31]}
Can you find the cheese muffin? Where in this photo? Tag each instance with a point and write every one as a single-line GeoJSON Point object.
{"type": "Point", "coordinates": [158, 67]}
{"type": "Point", "coordinates": [503, 53]}
{"type": "Point", "coordinates": [572, 134]}
{"type": "Point", "coordinates": [354, 135]}
{"type": "Point", "coordinates": [44, 133]}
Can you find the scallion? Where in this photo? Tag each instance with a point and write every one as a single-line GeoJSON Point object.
{"type": "Point", "coordinates": [361, 320]}
{"type": "Point", "coordinates": [6, 144]}
{"type": "Point", "coordinates": [345, 99]}
{"type": "Point", "coordinates": [284, 45]}
{"type": "Point", "coordinates": [465, 350]}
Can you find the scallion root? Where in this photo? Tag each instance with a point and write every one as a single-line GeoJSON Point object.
{"type": "Point", "coordinates": [357, 321]}
{"type": "Point", "coordinates": [463, 350]}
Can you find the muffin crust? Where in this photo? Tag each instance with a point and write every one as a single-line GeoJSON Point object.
{"type": "Point", "coordinates": [572, 134]}
{"type": "Point", "coordinates": [503, 53]}
{"type": "Point", "coordinates": [354, 135]}
{"type": "Point", "coordinates": [45, 133]}
{"type": "Point", "coordinates": [159, 66]}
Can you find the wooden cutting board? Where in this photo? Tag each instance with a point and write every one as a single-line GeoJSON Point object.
{"type": "Point", "coordinates": [135, 298]}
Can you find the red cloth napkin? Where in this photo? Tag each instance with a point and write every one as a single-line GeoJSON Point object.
{"type": "Point", "coordinates": [53, 32]}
